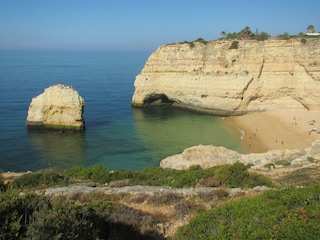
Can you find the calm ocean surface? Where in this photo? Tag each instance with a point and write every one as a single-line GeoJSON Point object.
{"type": "Point", "coordinates": [116, 135]}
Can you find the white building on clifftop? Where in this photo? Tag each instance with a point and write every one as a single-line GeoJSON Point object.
{"type": "Point", "coordinates": [313, 34]}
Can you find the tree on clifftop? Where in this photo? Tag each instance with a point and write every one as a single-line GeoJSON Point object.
{"type": "Point", "coordinates": [245, 33]}
{"type": "Point", "coordinates": [310, 29]}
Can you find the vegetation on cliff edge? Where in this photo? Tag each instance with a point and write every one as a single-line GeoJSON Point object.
{"type": "Point", "coordinates": [292, 213]}
{"type": "Point", "coordinates": [247, 34]}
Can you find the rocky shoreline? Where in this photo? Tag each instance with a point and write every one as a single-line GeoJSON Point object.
{"type": "Point", "coordinates": [211, 156]}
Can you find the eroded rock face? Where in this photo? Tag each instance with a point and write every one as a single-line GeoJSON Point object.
{"type": "Point", "coordinates": [257, 76]}
{"type": "Point", "coordinates": [59, 106]}
{"type": "Point", "coordinates": [211, 156]}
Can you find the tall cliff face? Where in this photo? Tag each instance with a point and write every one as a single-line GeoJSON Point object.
{"type": "Point", "coordinates": [59, 106]}
{"type": "Point", "coordinates": [255, 76]}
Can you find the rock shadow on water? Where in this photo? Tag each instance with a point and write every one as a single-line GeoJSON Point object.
{"type": "Point", "coordinates": [58, 149]}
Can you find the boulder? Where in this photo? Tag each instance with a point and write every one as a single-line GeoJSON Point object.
{"type": "Point", "coordinates": [211, 156]}
{"type": "Point", "coordinates": [205, 156]}
{"type": "Point", "coordinates": [59, 107]}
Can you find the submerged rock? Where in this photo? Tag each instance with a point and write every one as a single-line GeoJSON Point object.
{"type": "Point", "coordinates": [59, 107]}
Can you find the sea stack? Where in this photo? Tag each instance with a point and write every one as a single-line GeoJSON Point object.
{"type": "Point", "coordinates": [58, 107]}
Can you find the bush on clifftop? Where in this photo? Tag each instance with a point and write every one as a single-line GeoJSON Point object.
{"type": "Point", "coordinates": [235, 175]}
{"type": "Point", "coordinates": [292, 213]}
{"type": "Point", "coordinates": [32, 216]}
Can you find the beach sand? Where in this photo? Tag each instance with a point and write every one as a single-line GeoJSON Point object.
{"type": "Point", "coordinates": [282, 129]}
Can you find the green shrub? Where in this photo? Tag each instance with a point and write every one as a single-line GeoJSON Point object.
{"type": "Point", "coordinates": [311, 159]}
{"type": "Point", "coordinates": [63, 220]}
{"type": "Point", "coordinates": [246, 33]}
{"type": "Point", "coordinates": [2, 185]}
{"type": "Point", "coordinates": [42, 179]}
{"type": "Point", "coordinates": [235, 175]}
{"type": "Point", "coordinates": [191, 44]}
{"type": "Point", "coordinates": [16, 212]}
{"type": "Point", "coordinates": [188, 178]}
{"type": "Point", "coordinates": [234, 45]}
{"type": "Point", "coordinates": [76, 172]}
{"type": "Point", "coordinates": [96, 173]}
{"type": "Point", "coordinates": [261, 36]}
{"type": "Point", "coordinates": [258, 180]}
{"type": "Point", "coordinates": [283, 162]}
{"type": "Point", "coordinates": [229, 175]}
{"type": "Point", "coordinates": [201, 40]}
{"type": "Point", "coordinates": [284, 36]}
{"type": "Point", "coordinates": [289, 214]}
{"type": "Point", "coordinates": [303, 40]}
{"type": "Point", "coordinates": [31, 216]}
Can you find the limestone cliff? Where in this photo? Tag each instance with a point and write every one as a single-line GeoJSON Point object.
{"type": "Point", "coordinates": [214, 78]}
{"type": "Point", "coordinates": [59, 106]}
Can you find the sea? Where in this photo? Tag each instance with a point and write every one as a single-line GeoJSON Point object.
{"type": "Point", "coordinates": [117, 136]}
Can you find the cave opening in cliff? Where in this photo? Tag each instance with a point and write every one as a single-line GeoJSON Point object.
{"type": "Point", "coordinates": [157, 100]}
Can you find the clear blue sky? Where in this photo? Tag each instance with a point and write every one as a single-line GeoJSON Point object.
{"type": "Point", "coordinates": [143, 24]}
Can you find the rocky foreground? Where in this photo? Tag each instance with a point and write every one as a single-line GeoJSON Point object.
{"type": "Point", "coordinates": [167, 208]}
{"type": "Point", "coordinates": [210, 156]}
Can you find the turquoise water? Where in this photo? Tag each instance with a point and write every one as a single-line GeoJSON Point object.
{"type": "Point", "coordinates": [117, 136]}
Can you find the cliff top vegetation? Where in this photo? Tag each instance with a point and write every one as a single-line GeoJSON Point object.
{"type": "Point", "coordinates": [247, 34]}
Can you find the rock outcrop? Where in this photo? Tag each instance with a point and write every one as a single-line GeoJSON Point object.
{"type": "Point", "coordinates": [250, 76]}
{"type": "Point", "coordinates": [211, 156]}
{"type": "Point", "coordinates": [59, 107]}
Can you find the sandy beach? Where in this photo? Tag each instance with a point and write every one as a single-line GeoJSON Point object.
{"type": "Point", "coordinates": [281, 129]}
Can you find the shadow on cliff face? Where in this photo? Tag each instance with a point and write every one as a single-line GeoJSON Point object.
{"type": "Point", "coordinates": [157, 99]}
{"type": "Point", "coordinates": [58, 149]}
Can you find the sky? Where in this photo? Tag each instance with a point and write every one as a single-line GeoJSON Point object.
{"type": "Point", "coordinates": [143, 24]}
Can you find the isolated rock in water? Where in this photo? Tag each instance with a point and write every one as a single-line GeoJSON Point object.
{"type": "Point", "coordinates": [59, 106]}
